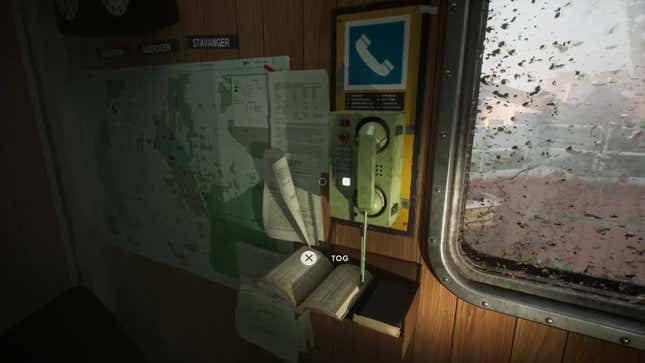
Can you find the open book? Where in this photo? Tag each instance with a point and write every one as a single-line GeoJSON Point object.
{"type": "Point", "coordinates": [317, 287]}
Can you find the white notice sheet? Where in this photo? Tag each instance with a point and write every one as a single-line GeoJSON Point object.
{"type": "Point", "coordinates": [299, 123]}
{"type": "Point", "coordinates": [250, 100]}
{"type": "Point", "coordinates": [264, 318]}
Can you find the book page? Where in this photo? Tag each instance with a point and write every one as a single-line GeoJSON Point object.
{"type": "Point", "coordinates": [295, 279]}
{"type": "Point", "coordinates": [253, 263]}
{"type": "Point", "coordinates": [280, 199]}
{"type": "Point", "coordinates": [336, 294]}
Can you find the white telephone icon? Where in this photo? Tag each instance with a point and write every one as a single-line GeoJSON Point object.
{"type": "Point", "coordinates": [382, 69]}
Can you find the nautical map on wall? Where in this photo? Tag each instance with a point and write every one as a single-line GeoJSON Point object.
{"type": "Point", "coordinates": [180, 182]}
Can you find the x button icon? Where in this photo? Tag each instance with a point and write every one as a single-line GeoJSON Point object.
{"type": "Point", "coordinates": [308, 258]}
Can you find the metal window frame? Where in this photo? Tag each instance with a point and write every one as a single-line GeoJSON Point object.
{"type": "Point", "coordinates": [557, 307]}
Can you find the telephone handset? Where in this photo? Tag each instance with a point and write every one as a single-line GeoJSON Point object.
{"type": "Point", "coordinates": [372, 137]}
{"type": "Point", "coordinates": [366, 166]}
{"type": "Point", "coordinates": [381, 68]}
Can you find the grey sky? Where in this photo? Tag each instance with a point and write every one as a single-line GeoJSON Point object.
{"type": "Point", "coordinates": [597, 31]}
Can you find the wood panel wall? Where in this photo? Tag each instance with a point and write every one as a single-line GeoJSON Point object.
{"type": "Point", "coordinates": [165, 308]}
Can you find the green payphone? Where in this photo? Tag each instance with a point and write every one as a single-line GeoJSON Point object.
{"type": "Point", "coordinates": [367, 148]}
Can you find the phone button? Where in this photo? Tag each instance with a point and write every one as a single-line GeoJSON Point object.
{"type": "Point", "coordinates": [343, 137]}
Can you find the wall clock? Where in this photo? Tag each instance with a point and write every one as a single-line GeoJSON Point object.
{"type": "Point", "coordinates": [114, 17]}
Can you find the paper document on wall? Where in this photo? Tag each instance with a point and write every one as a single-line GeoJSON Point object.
{"type": "Point", "coordinates": [250, 100]}
{"type": "Point", "coordinates": [264, 318]}
{"type": "Point", "coordinates": [299, 112]}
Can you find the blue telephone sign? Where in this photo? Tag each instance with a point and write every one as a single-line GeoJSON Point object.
{"type": "Point", "coordinates": [376, 53]}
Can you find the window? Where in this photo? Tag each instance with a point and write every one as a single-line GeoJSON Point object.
{"type": "Point", "coordinates": [548, 166]}
{"type": "Point", "coordinates": [556, 189]}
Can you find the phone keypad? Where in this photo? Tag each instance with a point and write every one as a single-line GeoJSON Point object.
{"type": "Point", "coordinates": [342, 163]}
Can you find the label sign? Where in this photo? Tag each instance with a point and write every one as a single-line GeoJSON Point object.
{"type": "Point", "coordinates": [227, 41]}
{"type": "Point", "coordinates": [159, 47]}
{"type": "Point", "coordinates": [391, 101]}
{"type": "Point", "coordinates": [112, 52]}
